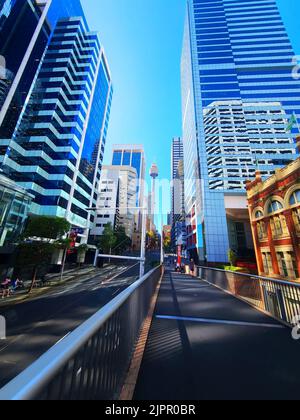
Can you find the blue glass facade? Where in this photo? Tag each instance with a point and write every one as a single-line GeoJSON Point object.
{"type": "Point", "coordinates": [134, 156]}
{"type": "Point", "coordinates": [57, 148]}
{"type": "Point", "coordinates": [19, 28]}
{"type": "Point", "coordinates": [238, 96]}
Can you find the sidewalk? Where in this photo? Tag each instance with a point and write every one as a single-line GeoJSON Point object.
{"type": "Point", "coordinates": [54, 279]}
{"type": "Point", "coordinates": [206, 345]}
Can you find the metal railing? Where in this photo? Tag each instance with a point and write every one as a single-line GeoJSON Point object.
{"type": "Point", "coordinates": [92, 362]}
{"type": "Point", "coordinates": [280, 299]}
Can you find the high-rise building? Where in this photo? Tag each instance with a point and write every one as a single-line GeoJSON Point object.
{"type": "Point", "coordinates": [178, 211]}
{"type": "Point", "coordinates": [238, 93]}
{"type": "Point", "coordinates": [134, 156]}
{"type": "Point", "coordinates": [116, 200]}
{"type": "Point", "coordinates": [57, 149]}
{"type": "Point", "coordinates": [176, 157]}
{"type": "Point", "coordinates": [25, 31]}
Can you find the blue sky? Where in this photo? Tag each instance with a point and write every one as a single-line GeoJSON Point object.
{"type": "Point", "coordinates": [143, 42]}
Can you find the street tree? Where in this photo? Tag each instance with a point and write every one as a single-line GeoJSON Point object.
{"type": "Point", "coordinates": [42, 235]}
{"type": "Point", "coordinates": [108, 239]}
{"type": "Point", "coordinates": [123, 242]}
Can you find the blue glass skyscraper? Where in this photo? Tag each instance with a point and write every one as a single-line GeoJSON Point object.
{"type": "Point", "coordinates": [238, 94]}
{"type": "Point", "coordinates": [25, 31]}
{"type": "Point", "coordinates": [132, 155]}
{"type": "Point", "coordinates": [57, 149]}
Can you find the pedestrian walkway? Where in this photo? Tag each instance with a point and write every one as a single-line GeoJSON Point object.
{"type": "Point", "coordinates": [206, 345]}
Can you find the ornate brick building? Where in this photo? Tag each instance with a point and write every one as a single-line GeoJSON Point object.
{"type": "Point", "coordinates": [274, 208]}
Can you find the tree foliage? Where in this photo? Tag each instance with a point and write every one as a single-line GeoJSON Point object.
{"type": "Point", "coordinates": [167, 244]}
{"type": "Point", "coordinates": [151, 240]}
{"type": "Point", "coordinates": [122, 240]}
{"type": "Point", "coordinates": [108, 239]}
{"type": "Point", "coordinates": [46, 228]}
{"type": "Point", "coordinates": [232, 257]}
{"type": "Point", "coordinates": [43, 234]}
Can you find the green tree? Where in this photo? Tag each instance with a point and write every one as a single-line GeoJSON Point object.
{"type": "Point", "coordinates": [167, 245]}
{"type": "Point", "coordinates": [151, 240]}
{"type": "Point", "coordinates": [42, 235]}
{"type": "Point", "coordinates": [232, 257]}
{"type": "Point", "coordinates": [46, 227]}
{"type": "Point", "coordinates": [122, 240]}
{"type": "Point", "coordinates": [108, 239]}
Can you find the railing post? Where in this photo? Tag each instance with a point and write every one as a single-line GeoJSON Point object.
{"type": "Point", "coordinates": [280, 299]}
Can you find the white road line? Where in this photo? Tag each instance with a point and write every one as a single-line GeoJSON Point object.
{"type": "Point", "coordinates": [220, 321]}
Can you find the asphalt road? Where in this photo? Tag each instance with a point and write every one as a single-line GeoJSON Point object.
{"type": "Point", "coordinates": [36, 325]}
{"type": "Point", "coordinates": [206, 345]}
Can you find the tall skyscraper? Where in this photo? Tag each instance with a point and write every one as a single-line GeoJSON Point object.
{"type": "Point", "coordinates": [238, 94]}
{"type": "Point", "coordinates": [134, 156]}
{"type": "Point", "coordinates": [57, 149]}
{"type": "Point", "coordinates": [179, 218]}
{"type": "Point", "coordinates": [25, 30]}
{"type": "Point", "coordinates": [176, 158]}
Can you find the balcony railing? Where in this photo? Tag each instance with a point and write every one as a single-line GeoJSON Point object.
{"type": "Point", "coordinates": [92, 362]}
{"type": "Point", "coordinates": [277, 298]}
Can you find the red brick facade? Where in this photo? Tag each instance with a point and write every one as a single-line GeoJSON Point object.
{"type": "Point", "coordinates": [274, 209]}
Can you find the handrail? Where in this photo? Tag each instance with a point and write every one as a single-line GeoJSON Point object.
{"type": "Point", "coordinates": [277, 298]}
{"type": "Point", "coordinates": [283, 282]}
{"type": "Point", "coordinates": [28, 384]}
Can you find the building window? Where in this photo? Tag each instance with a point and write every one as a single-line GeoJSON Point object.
{"type": "Point", "coordinates": [294, 265]}
{"type": "Point", "coordinates": [296, 218]}
{"type": "Point", "coordinates": [295, 198]}
{"type": "Point", "coordinates": [279, 227]}
{"type": "Point", "coordinates": [274, 207]}
{"type": "Point", "coordinates": [288, 265]}
{"type": "Point", "coordinates": [267, 261]}
{"type": "Point", "coordinates": [261, 230]}
{"type": "Point", "coordinates": [282, 264]}
{"type": "Point", "coordinates": [259, 214]}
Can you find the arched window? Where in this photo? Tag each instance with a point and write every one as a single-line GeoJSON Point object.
{"type": "Point", "coordinates": [259, 214]}
{"type": "Point", "coordinates": [274, 206]}
{"type": "Point", "coordinates": [295, 198]}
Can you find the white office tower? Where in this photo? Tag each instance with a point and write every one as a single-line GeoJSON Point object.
{"type": "Point", "coordinates": [116, 203]}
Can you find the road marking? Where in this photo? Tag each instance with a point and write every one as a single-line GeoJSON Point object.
{"type": "Point", "coordinates": [11, 341]}
{"type": "Point", "coordinates": [220, 321]}
{"type": "Point", "coordinates": [118, 274]}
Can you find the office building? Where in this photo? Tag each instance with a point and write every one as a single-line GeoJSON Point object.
{"type": "Point", "coordinates": [15, 204]}
{"type": "Point", "coordinates": [178, 211]}
{"type": "Point", "coordinates": [134, 156]}
{"type": "Point", "coordinates": [176, 157]}
{"type": "Point", "coordinates": [274, 211]}
{"type": "Point", "coordinates": [238, 94]}
{"type": "Point", "coordinates": [25, 30]}
{"type": "Point", "coordinates": [56, 151]}
{"type": "Point", "coordinates": [116, 200]}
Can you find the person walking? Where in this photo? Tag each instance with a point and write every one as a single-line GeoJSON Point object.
{"type": "Point", "coordinates": [192, 268]}
{"type": "Point", "coordinates": [6, 287]}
